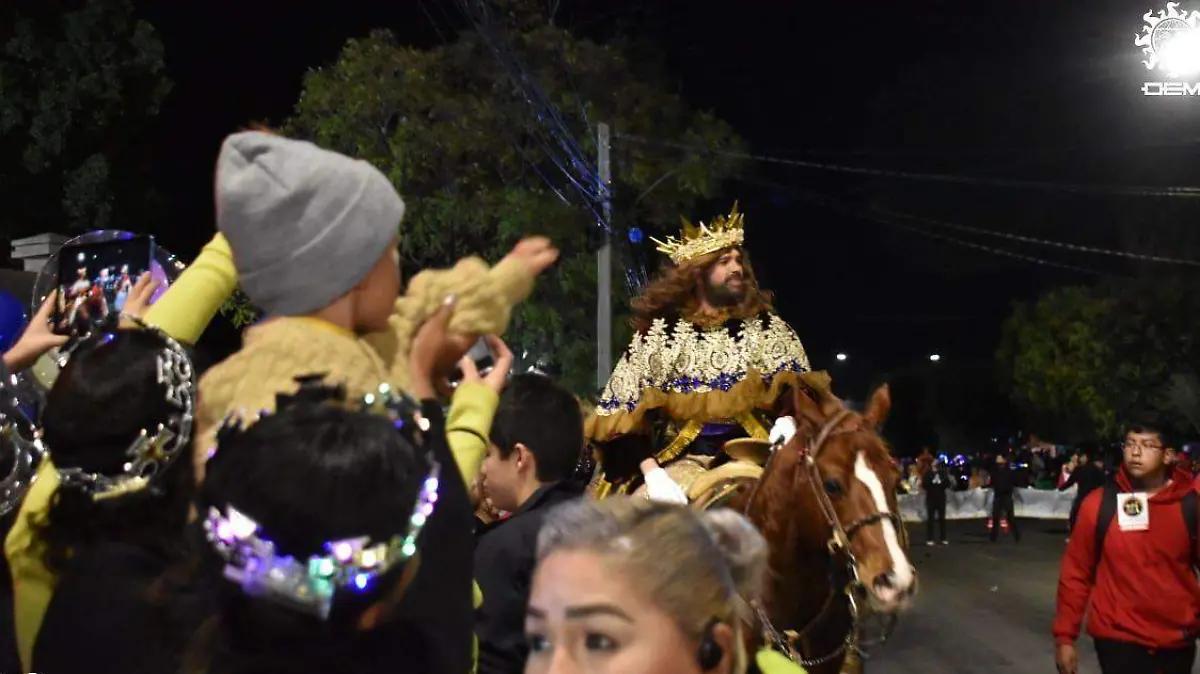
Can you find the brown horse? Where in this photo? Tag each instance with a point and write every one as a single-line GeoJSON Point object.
{"type": "Point", "coordinates": [826, 502]}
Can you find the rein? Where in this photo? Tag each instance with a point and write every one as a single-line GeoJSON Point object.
{"type": "Point", "coordinates": [839, 543]}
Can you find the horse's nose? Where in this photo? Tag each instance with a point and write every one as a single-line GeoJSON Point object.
{"type": "Point", "coordinates": [890, 590]}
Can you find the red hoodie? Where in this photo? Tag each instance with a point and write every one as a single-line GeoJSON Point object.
{"type": "Point", "coordinates": [1145, 591]}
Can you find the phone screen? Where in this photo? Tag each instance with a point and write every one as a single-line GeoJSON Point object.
{"type": "Point", "coordinates": [481, 354]}
{"type": "Point", "coordinates": [95, 279]}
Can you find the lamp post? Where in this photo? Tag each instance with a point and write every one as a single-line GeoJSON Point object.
{"type": "Point", "coordinates": [604, 263]}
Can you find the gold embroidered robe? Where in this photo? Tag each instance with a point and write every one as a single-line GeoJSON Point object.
{"type": "Point", "coordinates": [694, 376]}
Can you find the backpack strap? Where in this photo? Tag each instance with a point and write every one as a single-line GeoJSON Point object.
{"type": "Point", "coordinates": [1188, 503]}
{"type": "Point", "coordinates": [1108, 512]}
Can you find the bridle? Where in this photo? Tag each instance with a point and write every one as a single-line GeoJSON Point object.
{"type": "Point", "coordinates": [838, 544]}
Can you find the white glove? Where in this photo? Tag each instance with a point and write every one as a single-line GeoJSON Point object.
{"type": "Point", "coordinates": [660, 487]}
{"type": "Point", "coordinates": [782, 431]}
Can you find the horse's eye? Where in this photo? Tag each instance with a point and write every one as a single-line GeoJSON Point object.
{"type": "Point", "coordinates": [832, 487]}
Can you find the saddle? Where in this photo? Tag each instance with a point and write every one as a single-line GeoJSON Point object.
{"type": "Point", "coordinates": [710, 482]}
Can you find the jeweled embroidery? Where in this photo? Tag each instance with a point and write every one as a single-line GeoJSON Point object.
{"type": "Point", "coordinates": [684, 359]}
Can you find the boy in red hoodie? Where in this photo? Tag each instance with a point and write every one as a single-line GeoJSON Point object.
{"type": "Point", "coordinates": [1137, 569]}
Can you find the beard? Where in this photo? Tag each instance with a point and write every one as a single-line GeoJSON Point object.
{"type": "Point", "coordinates": [724, 295]}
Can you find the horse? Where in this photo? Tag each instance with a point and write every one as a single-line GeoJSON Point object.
{"type": "Point", "coordinates": [826, 503]}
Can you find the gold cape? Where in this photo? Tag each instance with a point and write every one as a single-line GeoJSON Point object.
{"type": "Point", "coordinates": [698, 376]}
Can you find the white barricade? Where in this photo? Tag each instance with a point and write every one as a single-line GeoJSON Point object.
{"type": "Point", "coordinates": [1046, 504]}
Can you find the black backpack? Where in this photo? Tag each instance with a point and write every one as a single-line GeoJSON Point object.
{"type": "Point", "coordinates": [1108, 512]}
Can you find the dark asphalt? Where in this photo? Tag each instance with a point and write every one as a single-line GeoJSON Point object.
{"type": "Point", "coordinates": [982, 607]}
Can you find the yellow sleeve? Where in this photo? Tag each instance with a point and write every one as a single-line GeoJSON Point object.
{"type": "Point", "coordinates": [512, 282]}
{"type": "Point", "coordinates": [774, 662]}
{"type": "Point", "coordinates": [475, 638]}
{"type": "Point", "coordinates": [485, 298]}
{"type": "Point", "coordinates": [468, 424]}
{"type": "Point", "coordinates": [33, 583]}
{"type": "Point", "coordinates": [191, 302]}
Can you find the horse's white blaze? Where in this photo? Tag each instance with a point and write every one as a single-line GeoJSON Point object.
{"type": "Point", "coordinates": [902, 570]}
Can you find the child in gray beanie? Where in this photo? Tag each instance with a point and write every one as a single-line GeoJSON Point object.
{"type": "Point", "coordinates": [313, 235]}
{"type": "Point", "coordinates": [306, 225]}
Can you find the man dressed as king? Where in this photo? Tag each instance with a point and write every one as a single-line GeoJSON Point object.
{"type": "Point", "coordinates": [709, 362]}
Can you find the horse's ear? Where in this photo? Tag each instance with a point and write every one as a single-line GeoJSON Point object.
{"type": "Point", "coordinates": [805, 406]}
{"type": "Point", "coordinates": [878, 407]}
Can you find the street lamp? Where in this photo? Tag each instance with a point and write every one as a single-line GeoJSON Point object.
{"type": "Point", "coordinates": [842, 357]}
{"type": "Point", "coordinates": [934, 358]}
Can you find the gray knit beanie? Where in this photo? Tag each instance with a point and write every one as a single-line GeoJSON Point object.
{"type": "Point", "coordinates": [305, 224]}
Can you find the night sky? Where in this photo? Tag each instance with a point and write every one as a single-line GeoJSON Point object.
{"type": "Point", "coordinates": [1027, 90]}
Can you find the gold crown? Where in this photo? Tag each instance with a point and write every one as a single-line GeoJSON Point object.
{"type": "Point", "coordinates": [725, 232]}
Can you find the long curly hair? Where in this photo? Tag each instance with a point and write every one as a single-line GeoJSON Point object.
{"type": "Point", "coordinates": [677, 290]}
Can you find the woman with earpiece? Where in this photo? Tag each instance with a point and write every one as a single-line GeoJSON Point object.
{"type": "Point", "coordinates": [631, 586]}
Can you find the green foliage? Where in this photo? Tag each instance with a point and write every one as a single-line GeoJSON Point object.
{"type": "Point", "coordinates": [1079, 361]}
{"type": "Point", "coordinates": [457, 137]}
{"type": "Point", "coordinates": [239, 310]}
{"type": "Point", "coordinates": [77, 89]}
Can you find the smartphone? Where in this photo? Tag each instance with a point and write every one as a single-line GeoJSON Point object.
{"type": "Point", "coordinates": [480, 354]}
{"type": "Point", "coordinates": [95, 279]}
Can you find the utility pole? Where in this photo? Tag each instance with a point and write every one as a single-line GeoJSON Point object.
{"type": "Point", "coordinates": [604, 262]}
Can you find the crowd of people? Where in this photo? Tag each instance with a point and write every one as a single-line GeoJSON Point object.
{"type": "Point", "coordinates": [325, 499]}
{"type": "Point", "coordinates": [309, 503]}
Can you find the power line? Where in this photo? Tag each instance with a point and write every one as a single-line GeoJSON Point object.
{"type": "Point", "coordinates": [981, 247]}
{"type": "Point", "coordinates": [891, 222]}
{"type": "Point", "coordinates": [1174, 191]}
{"type": "Point", "coordinates": [1074, 247]}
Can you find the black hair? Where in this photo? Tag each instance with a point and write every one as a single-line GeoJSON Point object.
{"type": "Point", "coordinates": [536, 412]}
{"type": "Point", "coordinates": [313, 472]}
{"type": "Point", "coordinates": [104, 397]}
{"type": "Point", "coordinates": [1148, 423]}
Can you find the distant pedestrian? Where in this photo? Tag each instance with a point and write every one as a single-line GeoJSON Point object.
{"type": "Point", "coordinates": [1089, 475]}
{"type": "Point", "coordinates": [1003, 508]}
{"type": "Point", "coordinates": [935, 483]}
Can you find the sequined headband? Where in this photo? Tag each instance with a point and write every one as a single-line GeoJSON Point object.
{"type": "Point", "coordinates": [25, 440]}
{"type": "Point", "coordinates": [153, 450]}
{"type": "Point", "coordinates": [308, 585]}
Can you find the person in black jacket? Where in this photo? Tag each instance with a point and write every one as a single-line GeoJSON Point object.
{"type": "Point", "coordinates": [935, 483]}
{"type": "Point", "coordinates": [110, 534]}
{"type": "Point", "coordinates": [1089, 476]}
{"type": "Point", "coordinates": [1003, 486]}
{"type": "Point", "coordinates": [536, 441]}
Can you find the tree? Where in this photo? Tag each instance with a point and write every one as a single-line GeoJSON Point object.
{"type": "Point", "coordinates": [1080, 360]}
{"type": "Point", "coordinates": [78, 84]}
{"type": "Point", "coordinates": [461, 143]}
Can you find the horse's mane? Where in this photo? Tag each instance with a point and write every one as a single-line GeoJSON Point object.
{"type": "Point", "coordinates": [830, 405]}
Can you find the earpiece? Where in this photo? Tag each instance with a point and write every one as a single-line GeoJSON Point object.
{"type": "Point", "coordinates": [710, 652]}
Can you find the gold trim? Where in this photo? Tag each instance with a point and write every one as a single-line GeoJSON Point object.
{"type": "Point", "coordinates": [603, 486]}
{"type": "Point", "coordinates": [686, 436]}
{"type": "Point", "coordinates": [753, 426]}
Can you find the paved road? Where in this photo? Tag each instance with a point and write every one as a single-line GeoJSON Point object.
{"type": "Point", "coordinates": [982, 607]}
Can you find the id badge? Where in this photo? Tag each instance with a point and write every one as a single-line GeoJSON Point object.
{"type": "Point", "coordinates": [1133, 511]}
